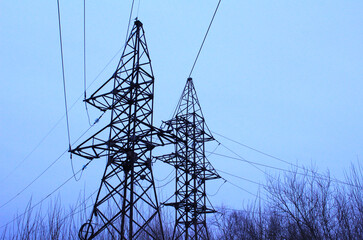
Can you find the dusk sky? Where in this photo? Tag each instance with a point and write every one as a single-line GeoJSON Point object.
{"type": "Point", "coordinates": [282, 77]}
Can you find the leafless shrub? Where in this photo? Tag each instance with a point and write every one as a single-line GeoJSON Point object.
{"type": "Point", "coordinates": [299, 205]}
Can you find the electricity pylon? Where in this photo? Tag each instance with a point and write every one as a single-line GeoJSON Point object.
{"type": "Point", "coordinates": [192, 167]}
{"type": "Point", "coordinates": [126, 204]}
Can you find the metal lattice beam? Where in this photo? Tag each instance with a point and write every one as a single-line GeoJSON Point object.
{"type": "Point", "coordinates": [192, 167]}
{"type": "Point", "coordinates": [127, 186]}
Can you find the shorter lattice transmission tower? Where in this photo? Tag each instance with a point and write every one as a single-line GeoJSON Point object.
{"type": "Point", "coordinates": [193, 169]}
{"type": "Point", "coordinates": [126, 204]}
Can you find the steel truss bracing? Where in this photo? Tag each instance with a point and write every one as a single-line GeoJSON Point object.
{"type": "Point", "coordinates": [126, 204]}
{"type": "Point", "coordinates": [192, 167]}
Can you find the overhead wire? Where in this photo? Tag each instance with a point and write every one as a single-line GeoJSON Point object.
{"type": "Point", "coordinates": [43, 199]}
{"type": "Point", "coordinates": [60, 120]}
{"type": "Point", "coordinates": [75, 177]}
{"type": "Point", "coordinates": [256, 150]}
{"type": "Point", "coordinates": [237, 186]}
{"type": "Point", "coordinates": [45, 170]}
{"type": "Point", "coordinates": [162, 180]}
{"type": "Point", "coordinates": [173, 114]}
{"type": "Point", "coordinates": [228, 181]}
{"type": "Point", "coordinates": [65, 115]}
{"type": "Point", "coordinates": [84, 61]}
{"type": "Point", "coordinates": [210, 203]}
{"type": "Point", "coordinates": [35, 179]}
{"type": "Point", "coordinates": [84, 53]}
{"type": "Point", "coordinates": [128, 25]}
{"type": "Point", "coordinates": [213, 151]}
{"type": "Point", "coordinates": [64, 85]}
{"type": "Point", "coordinates": [166, 183]}
{"type": "Point", "coordinates": [205, 37]}
{"type": "Point", "coordinates": [63, 74]}
{"type": "Point", "coordinates": [242, 178]}
{"type": "Point", "coordinates": [214, 194]}
{"type": "Point", "coordinates": [32, 151]}
{"type": "Point", "coordinates": [126, 39]}
{"type": "Point", "coordinates": [73, 212]}
{"type": "Point", "coordinates": [96, 121]}
{"type": "Point", "coordinates": [163, 203]}
{"type": "Point", "coordinates": [240, 158]}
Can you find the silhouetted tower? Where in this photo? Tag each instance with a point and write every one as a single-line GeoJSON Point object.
{"type": "Point", "coordinates": [192, 167]}
{"type": "Point", "coordinates": [126, 204]}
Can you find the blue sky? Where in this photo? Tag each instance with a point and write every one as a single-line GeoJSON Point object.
{"type": "Point", "coordinates": [284, 77]}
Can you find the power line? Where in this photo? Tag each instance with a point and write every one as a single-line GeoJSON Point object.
{"type": "Point", "coordinates": [253, 163]}
{"type": "Point", "coordinates": [243, 189]}
{"type": "Point", "coordinates": [214, 150]}
{"type": "Point", "coordinates": [84, 53]}
{"type": "Point", "coordinates": [242, 178]}
{"type": "Point", "coordinates": [35, 179]}
{"type": "Point", "coordinates": [128, 25]}
{"type": "Point", "coordinates": [59, 121]}
{"type": "Point", "coordinates": [44, 171]}
{"type": "Point", "coordinates": [96, 121]}
{"type": "Point", "coordinates": [228, 181]}
{"type": "Point", "coordinates": [63, 75]}
{"type": "Point", "coordinates": [32, 151]}
{"type": "Point", "coordinates": [240, 158]}
{"type": "Point", "coordinates": [211, 195]}
{"type": "Point", "coordinates": [259, 151]}
{"type": "Point", "coordinates": [162, 180]}
{"type": "Point", "coordinates": [84, 60]}
{"type": "Point", "coordinates": [318, 175]}
{"type": "Point", "coordinates": [55, 190]}
{"type": "Point", "coordinates": [205, 36]}
{"type": "Point", "coordinates": [75, 178]}
{"type": "Point", "coordinates": [72, 213]}
{"type": "Point", "coordinates": [166, 183]}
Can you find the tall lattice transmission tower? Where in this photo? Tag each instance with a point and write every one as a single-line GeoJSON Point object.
{"type": "Point", "coordinates": [126, 204]}
{"type": "Point", "coordinates": [192, 167]}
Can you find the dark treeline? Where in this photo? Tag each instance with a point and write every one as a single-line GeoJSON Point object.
{"type": "Point", "coordinates": [296, 205]}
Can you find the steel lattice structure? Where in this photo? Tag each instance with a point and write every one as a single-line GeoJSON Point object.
{"type": "Point", "coordinates": [192, 167]}
{"type": "Point", "coordinates": [127, 186]}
